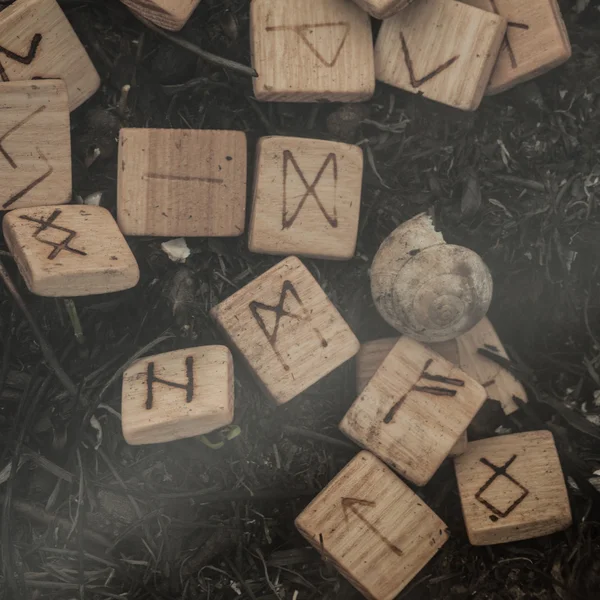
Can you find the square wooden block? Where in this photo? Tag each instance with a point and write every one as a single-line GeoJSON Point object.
{"type": "Point", "coordinates": [536, 40]}
{"type": "Point", "coordinates": [371, 356]}
{"type": "Point", "coordinates": [287, 330]}
{"type": "Point", "coordinates": [512, 488]}
{"type": "Point", "coordinates": [310, 50]}
{"type": "Point", "coordinates": [168, 14]}
{"type": "Point", "coordinates": [414, 410]}
{"type": "Point", "coordinates": [35, 144]}
{"type": "Point", "coordinates": [37, 41]}
{"type": "Point", "coordinates": [382, 9]}
{"type": "Point", "coordinates": [306, 198]}
{"type": "Point", "coordinates": [376, 531]}
{"type": "Point", "coordinates": [182, 182]}
{"type": "Point", "coordinates": [441, 49]}
{"type": "Point", "coordinates": [177, 395]}
{"type": "Point", "coordinates": [70, 250]}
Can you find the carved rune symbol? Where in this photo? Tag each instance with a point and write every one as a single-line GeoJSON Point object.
{"type": "Point", "coordinates": [24, 60]}
{"type": "Point", "coordinates": [45, 225]}
{"type": "Point", "coordinates": [414, 81]}
{"type": "Point", "coordinates": [434, 390]}
{"type": "Point", "coordinates": [288, 290]}
{"type": "Point", "coordinates": [288, 158]}
{"type": "Point", "coordinates": [181, 178]}
{"type": "Point", "coordinates": [352, 504]}
{"type": "Point", "coordinates": [13, 164]}
{"type": "Point", "coordinates": [151, 379]}
{"type": "Point", "coordinates": [501, 472]}
{"type": "Point", "coordinates": [506, 42]}
{"type": "Point", "coordinates": [302, 31]}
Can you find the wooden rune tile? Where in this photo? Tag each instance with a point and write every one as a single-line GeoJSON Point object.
{"type": "Point", "coordinates": [512, 488]}
{"type": "Point", "coordinates": [69, 250]}
{"type": "Point", "coordinates": [311, 50]}
{"type": "Point", "coordinates": [286, 329]}
{"type": "Point", "coordinates": [373, 528]}
{"type": "Point", "coordinates": [35, 144]}
{"type": "Point", "coordinates": [37, 41]}
{"type": "Point", "coordinates": [371, 356]}
{"type": "Point", "coordinates": [306, 198]}
{"type": "Point", "coordinates": [182, 182]}
{"type": "Point", "coordinates": [413, 410]}
{"type": "Point", "coordinates": [441, 49]}
{"type": "Point", "coordinates": [382, 9]}
{"type": "Point", "coordinates": [536, 40]}
{"type": "Point", "coordinates": [168, 14]}
{"type": "Point", "coordinates": [479, 353]}
{"type": "Point", "coordinates": [177, 395]}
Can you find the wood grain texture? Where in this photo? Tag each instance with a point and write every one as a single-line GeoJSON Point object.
{"type": "Point", "coordinates": [536, 40]}
{"type": "Point", "coordinates": [441, 49]}
{"type": "Point", "coordinates": [175, 182]}
{"type": "Point", "coordinates": [376, 531]}
{"type": "Point", "coordinates": [70, 250]}
{"type": "Point", "coordinates": [35, 144]}
{"type": "Point", "coordinates": [512, 488]}
{"type": "Point", "coordinates": [382, 9]}
{"type": "Point", "coordinates": [413, 410]}
{"type": "Point", "coordinates": [371, 356]}
{"type": "Point", "coordinates": [310, 50]}
{"type": "Point", "coordinates": [286, 329]}
{"type": "Point", "coordinates": [39, 32]}
{"type": "Point", "coordinates": [177, 395]}
{"type": "Point", "coordinates": [306, 198]}
{"type": "Point", "coordinates": [168, 14]}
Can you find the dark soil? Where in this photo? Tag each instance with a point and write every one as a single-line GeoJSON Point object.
{"type": "Point", "coordinates": [87, 516]}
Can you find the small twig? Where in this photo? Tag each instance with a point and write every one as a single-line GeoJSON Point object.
{"type": "Point", "coordinates": [207, 56]}
{"type": "Point", "coordinates": [526, 183]}
{"type": "Point", "coordinates": [319, 437]}
{"type": "Point", "coordinates": [241, 579]}
{"type": "Point", "coordinates": [41, 339]}
{"type": "Point", "coordinates": [132, 500]}
{"type": "Point", "coordinates": [122, 108]}
{"type": "Point", "coordinates": [75, 322]}
{"type": "Point", "coordinates": [37, 513]}
{"type": "Point", "coordinates": [212, 496]}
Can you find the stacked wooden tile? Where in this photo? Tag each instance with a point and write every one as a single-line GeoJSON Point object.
{"type": "Point", "coordinates": [46, 73]}
{"type": "Point", "coordinates": [449, 51]}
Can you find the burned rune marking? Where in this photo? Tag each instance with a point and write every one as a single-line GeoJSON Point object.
{"type": "Point", "coordinates": [435, 390]}
{"type": "Point", "coordinates": [181, 178]}
{"type": "Point", "coordinates": [506, 42]}
{"type": "Point", "coordinates": [15, 197]}
{"type": "Point", "coordinates": [151, 379]}
{"type": "Point", "coordinates": [352, 504]}
{"type": "Point", "coordinates": [280, 311]}
{"type": "Point", "coordinates": [24, 60]}
{"type": "Point", "coordinates": [310, 190]}
{"type": "Point", "coordinates": [302, 30]}
{"type": "Point", "coordinates": [414, 81]}
{"type": "Point", "coordinates": [500, 472]}
{"type": "Point", "coordinates": [45, 225]}
{"type": "Point", "coordinates": [14, 128]}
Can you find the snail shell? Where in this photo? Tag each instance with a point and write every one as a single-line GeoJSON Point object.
{"type": "Point", "coordinates": [427, 289]}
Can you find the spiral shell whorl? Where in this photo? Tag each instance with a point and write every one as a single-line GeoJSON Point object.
{"type": "Point", "coordinates": [434, 293]}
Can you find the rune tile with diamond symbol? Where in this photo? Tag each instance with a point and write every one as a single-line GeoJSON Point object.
{"type": "Point", "coordinates": [497, 488]}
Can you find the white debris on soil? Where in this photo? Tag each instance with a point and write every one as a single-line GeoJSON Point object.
{"type": "Point", "coordinates": [177, 250]}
